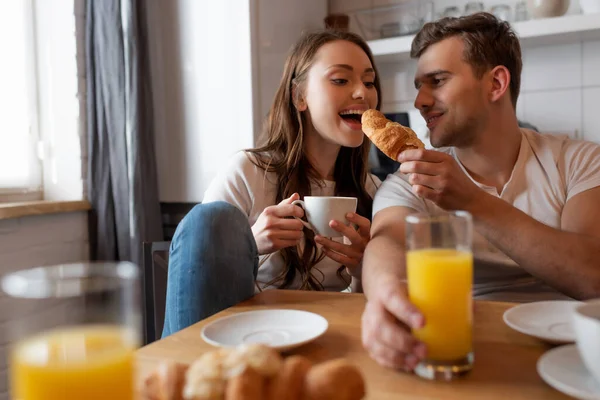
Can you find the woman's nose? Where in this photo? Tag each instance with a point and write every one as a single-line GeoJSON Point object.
{"type": "Point", "coordinates": [359, 91]}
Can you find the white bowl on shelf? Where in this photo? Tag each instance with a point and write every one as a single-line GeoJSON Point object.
{"type": "Point", "coordinates": [589, 6]}
{"type": "Point", "coordinates": [547, 8]}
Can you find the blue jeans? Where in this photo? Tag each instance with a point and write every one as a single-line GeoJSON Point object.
{"type": "Point", "coordinates": [213, 263]}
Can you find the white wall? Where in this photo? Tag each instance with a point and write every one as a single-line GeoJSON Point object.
{"type": "Point", "coordinates": [215, 66]}
{"type": "Point", "coordinates": [202, 81]}
{"type": "Point", "coordinates": [279, 24]}
{"type": "Point", "coordinates": [560, 87]}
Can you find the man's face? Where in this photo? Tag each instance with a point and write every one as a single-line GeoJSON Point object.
{"type": "Point", "coordinates": [451, 99]}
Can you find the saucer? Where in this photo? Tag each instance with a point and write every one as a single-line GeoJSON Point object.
{"type": "Point", "coordinates": [279, 329]}
{"type": "Point", "coordinates": [563, 369]}
{"type": "Point", "coordinates": [546, 320]}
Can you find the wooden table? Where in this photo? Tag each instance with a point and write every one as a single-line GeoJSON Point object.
{"type": "Point", "coordinates": [505, 360]}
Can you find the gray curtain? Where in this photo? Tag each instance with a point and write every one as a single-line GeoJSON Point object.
{"type": "Point", "coordinates": [122, 178]}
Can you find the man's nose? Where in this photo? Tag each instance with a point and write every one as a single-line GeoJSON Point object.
{"type": "Point", "coordinates": [424, 99]}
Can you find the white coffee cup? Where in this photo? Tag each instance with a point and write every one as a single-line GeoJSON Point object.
{"type": "Point", "coordinates": [586, 323]}
{"type": "Point", "coordinates": [320, 210]}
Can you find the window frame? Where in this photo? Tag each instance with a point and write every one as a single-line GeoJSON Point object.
{"type": "Point", "coordinates": [34, 191]}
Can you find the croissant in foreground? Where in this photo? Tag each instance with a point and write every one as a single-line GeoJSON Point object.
{"type": "Point", "coordinates": [390, 137]}
{"type": "Point", "coordinates": [254, 372]}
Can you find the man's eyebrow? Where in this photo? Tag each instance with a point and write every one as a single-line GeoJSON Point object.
{"type": "Point", "coordinates": [349, 68]}
{"type": "Point", "coordinates": [430, 75]}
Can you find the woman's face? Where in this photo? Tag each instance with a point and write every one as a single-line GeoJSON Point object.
{"type": "Point", "coordinates": [338, 89]}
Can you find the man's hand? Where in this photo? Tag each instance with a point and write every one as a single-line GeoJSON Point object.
{"type": "Point", "coordinates": [437, 177]}
{"type": "Point", "coordinates": [386, 323]}
{"type": "Point", "coordinates": [350, 254]}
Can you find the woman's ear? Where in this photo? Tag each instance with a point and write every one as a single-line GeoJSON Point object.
{"type": "Point", "coordinates": [301, 106]}
{"type": "Point", "coordinates": [298, 99]}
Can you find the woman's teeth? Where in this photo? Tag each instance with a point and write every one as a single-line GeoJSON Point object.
{"type": "Point", "coordinates": [352, 112]}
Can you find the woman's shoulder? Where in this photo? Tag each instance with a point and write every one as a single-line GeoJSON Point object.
{"type": "Point", "coordinates": [247, 162]}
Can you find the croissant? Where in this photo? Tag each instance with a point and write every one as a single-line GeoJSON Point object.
{"type": "Point", "coordinates": [390, 137]}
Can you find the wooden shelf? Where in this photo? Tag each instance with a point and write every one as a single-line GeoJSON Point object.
{"type": "Point", "coordinates": [536, 32]}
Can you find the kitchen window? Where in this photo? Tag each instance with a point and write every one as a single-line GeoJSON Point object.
{"type": "Point", "coordinates": [40, 146]}
{"type": "Point", "coordinates": [20, 166]}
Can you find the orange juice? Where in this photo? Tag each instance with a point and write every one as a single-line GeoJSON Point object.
{"type": "Point", "coordinates": [439, 284]}
{"type": "Point", "coordinates": [94, 362]}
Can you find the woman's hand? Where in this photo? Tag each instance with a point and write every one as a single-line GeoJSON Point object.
{"type": "Point", "coordinates": [349, 253]}
{"type": "Point", "coordinates": [273, 231]}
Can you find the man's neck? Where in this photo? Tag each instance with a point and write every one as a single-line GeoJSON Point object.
{"type": "Point", "coordinates": [491, 159]}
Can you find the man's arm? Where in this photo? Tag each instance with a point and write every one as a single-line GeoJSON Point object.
{"type": "Point", "coordinates": [385, 253]}
{"type": "Point", "coordinates": [388, 315]}
{"type": "Point", "coordinates": [567, 259]}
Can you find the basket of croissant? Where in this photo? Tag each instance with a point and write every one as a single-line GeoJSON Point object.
{"type": "Point", "coordinates": [254, 372]}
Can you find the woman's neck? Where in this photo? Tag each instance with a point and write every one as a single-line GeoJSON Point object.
{"type": "Point", "coordinates": [322, 155]}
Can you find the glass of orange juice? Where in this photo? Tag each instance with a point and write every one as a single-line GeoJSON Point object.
{"type": "Point", "coordinates": [439, 268]}
{"type": "Point", "coordinates": [78, 336]}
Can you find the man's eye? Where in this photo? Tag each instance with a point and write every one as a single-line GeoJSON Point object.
{"type": "Point", "coordinates": [339, 81]}
{"type": "Point", "coordinates": [437, 82]}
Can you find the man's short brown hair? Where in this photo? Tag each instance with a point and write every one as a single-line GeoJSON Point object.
{"type": "Point", "coordinates": [488, 42]}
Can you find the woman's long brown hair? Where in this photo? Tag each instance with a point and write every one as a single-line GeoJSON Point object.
{"type": "Point", "coordinates": [283, 154]}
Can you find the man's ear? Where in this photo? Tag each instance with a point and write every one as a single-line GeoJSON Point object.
{"type": "Point", "coordinates": [500, 82]}
{"type": "Point", "coordinates": [298, 99]}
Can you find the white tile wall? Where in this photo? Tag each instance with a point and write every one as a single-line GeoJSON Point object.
{"type": "Point", "coordinates": [521, 111]}
{"type": "Point", "coordinates": [591, 113]}
{"type": "Point", "coordinates": [397, 82]}
{"type": "Point", "coordinates": [564, 71]}
{"type": "Point", "coordinates": [591, 61]}
{"type": "Point", "coordinates": [554, 110]}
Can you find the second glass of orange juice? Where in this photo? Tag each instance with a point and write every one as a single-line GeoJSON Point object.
{"type": "Point", "coordinates": [439, 268]}
{"type": "Point", "coordinates": [80, 345]}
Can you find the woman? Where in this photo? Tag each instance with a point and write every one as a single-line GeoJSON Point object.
{"type": "Point", "coordinates": [244, 237]}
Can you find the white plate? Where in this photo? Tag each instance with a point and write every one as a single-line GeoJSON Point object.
{"type": "Point", "coordinates": [546, 320]}
{"type": "Point", "coordinates": [279, 329]}
{"type": "Point", "coordinates": [563, 369]}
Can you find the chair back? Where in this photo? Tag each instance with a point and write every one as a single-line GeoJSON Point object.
{"type": "Point", "coordinates": [156, 266]}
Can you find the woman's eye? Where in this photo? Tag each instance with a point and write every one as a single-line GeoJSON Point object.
{"type": "Point", "coordinates": [339, 81]}
{"type": "Point", "coordinates": [370, 84]}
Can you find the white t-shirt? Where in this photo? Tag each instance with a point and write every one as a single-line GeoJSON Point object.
{"type": "Point", "coordinates": [251, 189]}
{"type": "Point", "coordinates": [549, 171]}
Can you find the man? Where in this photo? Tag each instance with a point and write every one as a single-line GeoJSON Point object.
{"type": "Point", "coordinates": [535, 199]}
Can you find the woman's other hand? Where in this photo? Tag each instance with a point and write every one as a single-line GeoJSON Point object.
{"type": "Point", "coordinates": [349, 253]}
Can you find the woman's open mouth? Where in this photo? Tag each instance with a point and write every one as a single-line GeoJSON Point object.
{"type": "Point", "coordinates": [352, 118]}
